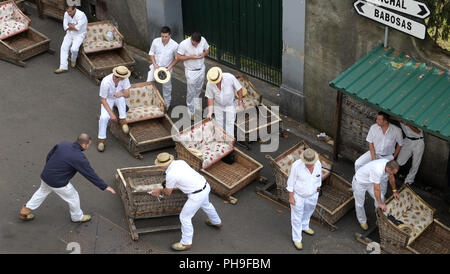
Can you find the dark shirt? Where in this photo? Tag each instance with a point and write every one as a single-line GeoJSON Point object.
{"type": "Point", "coordinates": [63, 161]}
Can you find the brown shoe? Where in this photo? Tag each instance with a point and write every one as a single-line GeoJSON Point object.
{"type": "Point", "coordinates": [25, 214]}
{"type": "Point", "coordinates": [101, 145]}
{"type": "Point", "coordinates": [125, 128]}
{"type": "Point", "coordinates": [208, 222]}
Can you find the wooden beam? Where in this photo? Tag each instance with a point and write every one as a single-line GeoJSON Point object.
{"type": "Point", "coordinates": [337, 125]}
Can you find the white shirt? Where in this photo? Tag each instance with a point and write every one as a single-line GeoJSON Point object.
{"type": "Point", "coordinates": [180, 175]}
{"type": "Point", "coordinates": [410, 133]}
{"type": "Point", "coordinates": [385, 143]}
{"type": "Point", "coordinates": [224, 97]}
{"type": "Point", "coordinates": [374, 172]}
{"type": "Point", "coordinates": [164, 54]}
{"type": "Point", "coordinates": [108, 88]}
{"type": "Point", "coordinates": [187, 49]}
{"type": "Point", "coordinates": [303, 182]}
{"type": "Point", "coordinates": [79, 20]}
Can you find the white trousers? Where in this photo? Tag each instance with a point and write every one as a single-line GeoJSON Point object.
{"type": "Point", "coordinates": [67, 193]}
{"type": "Point", "coordinates": [366, 158]}
{"type": "Point", "coordinates": [167, 87]}
{"type": "Point", "coordinates": [192, 205]}
{"type": "Point", "coordinates": [71, 42]}
{"type": "Point", "coordinates": [415, 149]}
{"type": "Point", "coordinates": [225, 117]}
{"type": "Point", "coordinates": [301, 214]}
{"type": "Point", "coordinates": [359, 192]}
{"type": "Point", "coordinates": [194, 79]}
{"type": "Point", "coordinates": [121, 105]}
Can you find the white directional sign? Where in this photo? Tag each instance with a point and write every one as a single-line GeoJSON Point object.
{"type": "Point", "coordinates": [390, 19]}
{"type": "Point", "coordinates": [411, 7]}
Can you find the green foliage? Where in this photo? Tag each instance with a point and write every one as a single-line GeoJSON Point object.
{"type": "Point", "coordinates": [439, 21]}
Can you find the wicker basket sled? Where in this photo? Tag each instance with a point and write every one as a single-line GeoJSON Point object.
{"type": "Point", "coordinates": [145, 135]}
{"type": "Point", "coordinates": [150, 127]}
{"type": "Point", "coordinates": [420, 233]}
{"type": "Point", "coordinates": [142, 205]}
{"type": "Point", "coordinates": [256, 123]}
{"type": "Point", "coordinates": [97, 64]}
{"type": "Point", "coordinates": [225, 179]}
{"type": "Point", "coordinates": [336, 198]}
{"type": "Point", "coordinates": [51, 8]}
{"type": "Point", "coordinates": [205, 127]}
{"type": "Point", "coordinates": [16, 48]}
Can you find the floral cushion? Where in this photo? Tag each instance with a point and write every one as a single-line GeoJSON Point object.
{"type": "Point", "coordinates": [209, 138]}
{"type": "Point", "coordinates": [253, 97]}
{"type": "Point", "coordinates": [286, 162]}
{"type": "Point", "coordinates": [411, 211]}
{"type": "Point", "coordinates": [12, 20]}
{"type": "Point", "coordinates": [144, 103]}
{"type": "Point", "coordinates": [95, 41]}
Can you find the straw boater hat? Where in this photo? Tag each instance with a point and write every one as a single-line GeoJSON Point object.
{"type": "Point", "coordinates": [121, 72]}
{"type": "Point", "coordinates": [108, 35]}
{"type": "Point", "coordinates": [214, 75]}
{"type": "Point", "coordinates": [309, 156]}
{"type": "Point", "coordinates": [164, 159]}
{"type": "Point", "coordinates": [196, 152]}
{"type": "Point", "coordinates": [162, 75]}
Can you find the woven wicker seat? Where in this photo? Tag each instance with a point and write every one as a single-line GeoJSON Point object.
{"type": "Point", "coordinates": [144, 103]}
{"type": "Point", "coordinates": [12, 20]}
{"type": "Point", "coordinates": [18, 40]}
{"type": "Point", "coordinates": [336, 199]}
{"type": "Point", "coordinates": [418, 217]}
{"type": "Point", "coordinates": [253, 98]}
{"type": "Point", "coordinates": [208, 137]}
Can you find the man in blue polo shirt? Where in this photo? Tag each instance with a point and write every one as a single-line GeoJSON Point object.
{"type": "Point", "coordinates": [62, 163]}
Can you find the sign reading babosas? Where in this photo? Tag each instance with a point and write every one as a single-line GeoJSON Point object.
{"type": "Point", "coordinates": [375, 10]}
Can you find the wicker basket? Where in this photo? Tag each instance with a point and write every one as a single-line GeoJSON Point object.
{"type": "Point", "coordinates": [51, 8]}
{"type": "Point", "coordinates": [249, 126]}
{"type": "Point", "coordinates": [23, 46]}
{"type": "Point", "coordinates": [146, 135]}
{"type": "Point", "coordinates": [253, 98]}
{"type": "Point", "coordinates": [226, 179]}
{"type": "Point", "coordinates": [140, 205]}
{"type": "Point", "coordinates": [99, 64]}
{"type": "Point", "coordinates": [282, 174]}
{"type": "Point", "coordinates": [336, 199]}
{"type": "Point", "coordinates": [184, 154]}
{"type": "Point", "coordinates": [434, 239]}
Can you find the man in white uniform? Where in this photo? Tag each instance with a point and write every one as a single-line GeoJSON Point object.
{"type": "Point", "coordinates": [180, 175]}
{"type": "Point", "coordinates": [413, 145]}
{"type": "Point", "coordinates": [382, 138]}
{"type": "Point", "coordinates": [368, 179]}
{"type": "Point", "coordinates": [303, 186]}
{"type": "Point", "coordinates": [220, 91]}
{"type": "Point", "coordinates": [75, 24]}
{"type": "Point", "coordinates": [113, 91]}
{"type": "Point", "coordinates": [163, 53]}
{"type": "Point", "coordinates": [192, 51]}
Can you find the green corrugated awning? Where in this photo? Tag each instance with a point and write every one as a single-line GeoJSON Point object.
{"type": "Point", "coordinates": [393, 82]}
